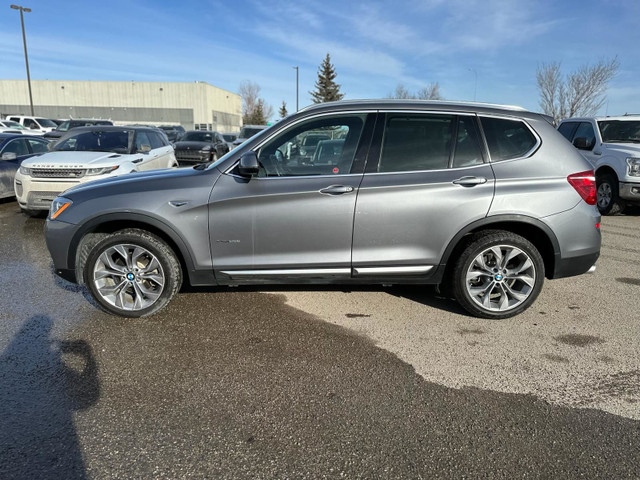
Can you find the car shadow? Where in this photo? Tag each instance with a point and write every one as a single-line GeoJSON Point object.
{"type": "Point", "coordinates": [427, 295]}
{"type": "Point", "coordinates": [42, 382]}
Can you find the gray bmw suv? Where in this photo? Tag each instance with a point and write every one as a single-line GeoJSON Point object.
{"type": "Point", "coordinates": [484, 200]}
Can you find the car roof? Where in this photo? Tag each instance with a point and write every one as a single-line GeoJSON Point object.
{"type": "Point", "coordinates": [629, 117]}
{"type": "Point", "coordinates": [109, 128]}
{"type": "Point", "coordinates": [390, 104]}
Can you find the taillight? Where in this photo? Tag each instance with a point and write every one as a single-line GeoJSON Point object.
{"type": "Point", "coordinates": [585, 185]}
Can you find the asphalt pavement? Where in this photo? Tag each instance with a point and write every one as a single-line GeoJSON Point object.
{"type": "Point", "coordinates": [317, 383]}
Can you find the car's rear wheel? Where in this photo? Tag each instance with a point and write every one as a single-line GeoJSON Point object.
{"type": "Point", "coordinates": [609, 202]}
{"type": "Point", "coordinates": [498, 275]}
{"type": "Point", "coordinates": [132, 273]}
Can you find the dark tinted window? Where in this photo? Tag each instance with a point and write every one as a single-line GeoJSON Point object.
{"type": "Point", "coordinates": [416, 142]}
{"type": "Point", "coordinates": [585, 130]}
{"type": "Point", "coordinates": [18, 146]}
{"type": "Point", "coordinates": [567, 129]}
{"type": "Point", "coordinates": [37, 146]}
{"type": "Point", "coordinates": [507, 138]}
{"type": "Point", "coordinates": [142, 139]}
{"type": "Point", "coordinates": [156, 140]}
{"type": "Point", "coordinates": [617, 131]}
{"type": "Point", "coordinates": [467, 147]}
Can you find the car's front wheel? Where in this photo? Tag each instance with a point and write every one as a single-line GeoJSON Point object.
{"type": "Point", "coordinates": [132, 273]}
{"type": "Point", "coordinates": [498, 275]}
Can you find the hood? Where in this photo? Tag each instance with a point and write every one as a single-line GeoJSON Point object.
{"type": "Point", "coordinates": [629, 149]}
{"type": "Point", "coordinates": [191, 145]}
{"type": "Point", "coordinates": [76, 160]}
{"type": "Point", "coordinates": [131, 178]}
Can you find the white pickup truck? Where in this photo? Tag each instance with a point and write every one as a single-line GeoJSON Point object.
{"type": "Point", "coordinates": [612, 145]}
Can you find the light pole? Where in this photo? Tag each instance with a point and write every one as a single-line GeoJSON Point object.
{"type": "Point", "coordinates": [297, 84]}
{"type": "Point", "coordinates": [475, 85]}
{"type": "Point", "coordinates": [26, 58]}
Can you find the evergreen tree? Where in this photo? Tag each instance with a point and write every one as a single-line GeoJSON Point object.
{"type": "Point", "coordinates": [327, 90]}
{"type": "Point", "coordinates": [283, 110]}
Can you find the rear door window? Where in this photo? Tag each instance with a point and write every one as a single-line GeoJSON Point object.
{"type": "Point", "coordinates": [507, 138]}
{"type": "Point", "coordinates": [416, 142]}
{"type": "Point", "coordinates": [467, 149]}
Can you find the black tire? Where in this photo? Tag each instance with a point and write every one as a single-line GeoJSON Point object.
{"type": "Point", "coordinates": [169, 272]}
{"type": "Point", "coordinates": [609, 202]}
{"type": "Point", "coordinates": [494, 284]}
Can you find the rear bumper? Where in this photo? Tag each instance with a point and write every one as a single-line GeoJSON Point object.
{"type": "Point", "coordinates": [569, 267]}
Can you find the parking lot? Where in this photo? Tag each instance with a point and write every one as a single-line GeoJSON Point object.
{"type": "Point", "coordinates": [390, 382]}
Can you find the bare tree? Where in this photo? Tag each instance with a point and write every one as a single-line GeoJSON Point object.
{"type": "Point", "coordinates": [430, 92]}
{"type": "Point", "coordinates": [580, 93]}
{"type": "Point", "coordinates": [255, 110]}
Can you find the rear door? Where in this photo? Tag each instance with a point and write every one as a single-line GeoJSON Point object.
{"type": "Point", "coordinates": [426, 178]}
{"type": "Point", "coordinates": [294, 221]}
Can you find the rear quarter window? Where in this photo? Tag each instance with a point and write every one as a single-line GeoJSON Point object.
{"type": "Point", "coordinates": [507, 139]}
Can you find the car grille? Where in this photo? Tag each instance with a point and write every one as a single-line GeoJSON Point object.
{"type": "Point", "coordinates": [41, 199]}
{"type": "Point", "coordinates": [191, 156]}
{"type": "Point", "coordinates": [57, 172]}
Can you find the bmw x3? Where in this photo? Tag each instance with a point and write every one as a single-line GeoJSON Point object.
{"type": "Point", "coordinates": [486, 201]}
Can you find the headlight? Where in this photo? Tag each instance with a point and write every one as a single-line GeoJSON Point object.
{"type": "Point", "coordinates": [59, 205]}
{"type": "Point", "coordinates": [25, 170]}
{"type": "Point", "coordinates": [634, 166]}
{"type": "Point", "coordinates": [101, 171]}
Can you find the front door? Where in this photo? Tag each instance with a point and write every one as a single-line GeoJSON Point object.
{"type": "Point", "coordinates": [294, 220]}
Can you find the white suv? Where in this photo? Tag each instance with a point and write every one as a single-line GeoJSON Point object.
{"type": "Point", "coordinates": [89, 153]}
{"type": "Point", "coordinates": [35, 124]}
{"type": "Point", "coordinates": [612, 145]}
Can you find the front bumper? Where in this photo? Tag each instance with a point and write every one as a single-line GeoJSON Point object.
{"type": "Point", "coordinates": [59, 237]}
{"type": "Point", "coordinates": [630, 192]}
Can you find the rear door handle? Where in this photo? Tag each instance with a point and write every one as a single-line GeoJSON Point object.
{"type": "Point", "coordinates": [470, 181]}
{"type": "Point", "coordinates": [337, 189]}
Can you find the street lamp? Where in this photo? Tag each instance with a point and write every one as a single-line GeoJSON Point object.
{"type": "Point", "coordinates": [26, 58]}
{"type": "Point", "coordinates": [297, 84]}
{"type": "Point", "coordinates": [475, 85]}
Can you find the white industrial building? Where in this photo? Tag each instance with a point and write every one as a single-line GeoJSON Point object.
{"type": "Point", "coordinates": [190, 104]}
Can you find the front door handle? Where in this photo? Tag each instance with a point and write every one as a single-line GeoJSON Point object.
{"type": "Point", "coordinates": [337, 189]}
{"type": "Point", "coordinates": [470, 181]}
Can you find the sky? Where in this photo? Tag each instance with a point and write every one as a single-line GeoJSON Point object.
{"type": "Point", "coordinates": [484, 50]}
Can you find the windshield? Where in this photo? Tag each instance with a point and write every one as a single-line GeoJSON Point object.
{"type": "Point", "coordinates": [198, 137]}
{"type": "Point", "coordinates": [620, 131]}
{"type": "Point", "coordinates": [45, 122]}
{"type": "Point", "coordinates": [117, 141]}
{"type": "Point", "coordinates": [248, 132]}
{"type": "Point", "coordinates": [229, 137]}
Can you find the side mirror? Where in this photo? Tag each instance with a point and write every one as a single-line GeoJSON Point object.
{"type": "Point", "coordinates": [582, 143]}
{"type": "Point", "coordinates": [248, 166]}
{"type": "Point", "coordinates": [144, 148]}
{"type": "Point", "coordinates": [9, 156]}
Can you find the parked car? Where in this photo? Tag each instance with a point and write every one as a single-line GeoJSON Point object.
{"type": "Point", "coordinates": [230, 138]}
{"type": "Point", "coordinates": [485, 201]}
{"type": "Point", "coordinates": [67, 125]}
{"type": "Point", "coordinates": [14, 149]}
{"type": "Point", "coordinates": [9, 126]}
{"type": "Point", "coordinates": [197, 146]}
{"type": "Point", "coordinates": [36, 124]}
{"type": "Point", "coordinates": [173, 132]}
{"type": "Point", "coordinates": [247, 132]}
{"type": "Point", "coordinates": [612, 146]}
{"type": "Point", "coordinates": [89, 153]}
